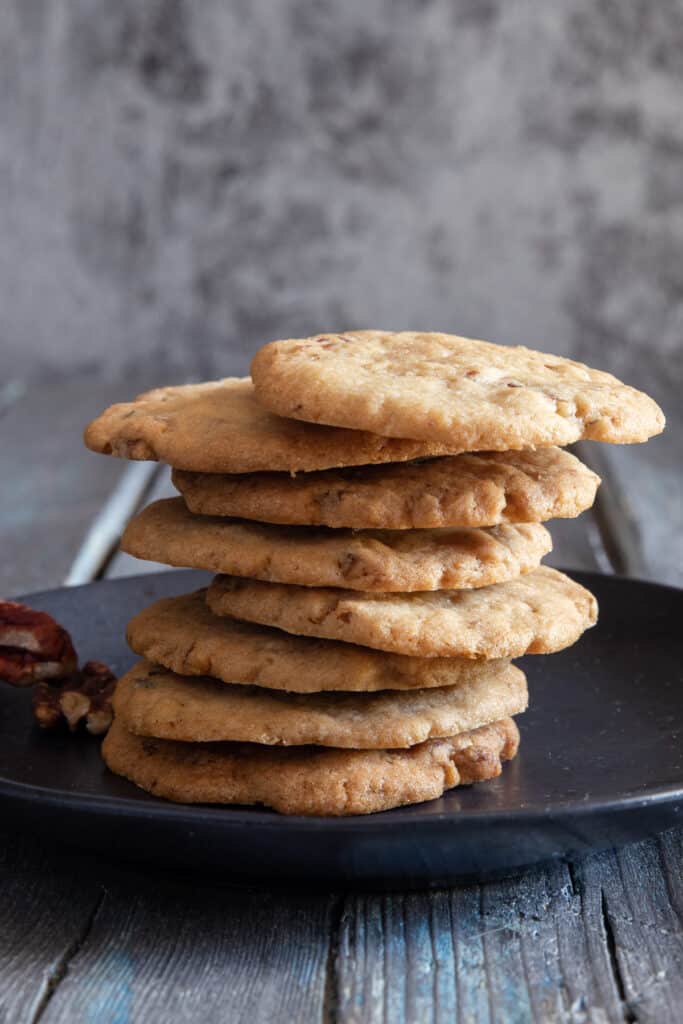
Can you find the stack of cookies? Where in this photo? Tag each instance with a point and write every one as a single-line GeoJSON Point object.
{"type": "Point", "coordinates": [372, 505]}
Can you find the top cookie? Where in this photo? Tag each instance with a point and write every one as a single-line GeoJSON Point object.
{"type": "Point", "coordinates": [219, 427]}
{"type": "Point", "coordinates": [471, 395]}
{"type": "Point", "coordinates": [479, 489]}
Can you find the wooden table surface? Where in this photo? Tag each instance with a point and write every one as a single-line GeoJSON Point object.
{"type": "Point", "coordinates": [596, 940]}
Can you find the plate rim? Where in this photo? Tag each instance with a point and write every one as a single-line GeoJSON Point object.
{"type": "Point", "coordinates": [24, 793]}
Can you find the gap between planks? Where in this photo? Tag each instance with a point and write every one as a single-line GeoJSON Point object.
{"type": "Point", "coordinates": [58, 973]}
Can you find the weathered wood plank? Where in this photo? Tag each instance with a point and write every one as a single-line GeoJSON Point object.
{"type": "Point", "coordinates": [52, 486]}
{"type": "Point", "coordinates": [86, 940]}
{"type": "Point", "coordinates": [640, 503]}
{"type": "Point", "coordinates": [671, 851]}
{"type": "Point", "coordinates": [643, 929]}
{"type": "Point", "coordinates": [123, 564]}
{"type": "Point", "coordinates": [47, 906]}
{"type": "Point", "coordinates": [186, 950]}
{"type": "Point", "coordinates": [104, 533]}
{"type": "Point", "coordinates": [600, 942]}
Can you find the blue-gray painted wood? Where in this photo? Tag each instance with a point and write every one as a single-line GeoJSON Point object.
{"type": "Point", "coordinates": [47, 904]}
{"type": "Point", "coordinates": [161, 949]}
{"type": "Point", "coordinates": [52, 487]}
{"type": "Point", "coordinates": [597, 941]}
{"type": "Point", "coordinates": [87, 941]}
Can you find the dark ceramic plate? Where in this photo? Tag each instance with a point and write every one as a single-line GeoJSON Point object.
{"type": "Point", "coordinates": [601, 763]}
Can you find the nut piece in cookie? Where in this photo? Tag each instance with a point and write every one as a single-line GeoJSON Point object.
{"type": "Point", "coordinates": [83, 696]}
{"type": "Point", "coordinates": [33, 647]}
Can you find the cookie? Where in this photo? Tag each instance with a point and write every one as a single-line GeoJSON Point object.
{"type": "Point", "coordinates": [219, 427]}
{"type": "Point", "coordinates": [439, 387]}
{"type": "Point", "coordinates": [397, 560]}
{"type": "Point", "coordinates": [308, 780]}
{"type": "Point", "coordinates": [151, 701]}
{"type": "Point", "coordinates": [485, 489]}
{"type": "Point", "coordinates": [181, 634]}
{"type": "Point", "coordinates": [538, 613]}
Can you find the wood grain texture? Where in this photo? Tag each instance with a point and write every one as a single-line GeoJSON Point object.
{"type": "Point", "coordinates": [643, 926]}
{"type": "Point", "coordinates": [639, 508]}
{"type": "Point", "coordinates": [165, 950]}
{"type": "Point", "coordinates": [48, 903]}
{"type": "Point", "coordinates": [88, 941]}
{"type": "Point", "coordinates": [52, 487]}
{"type": "Point", "coordinates": [123, 564]}
{"type": "Point", "coordinates": [599, 941]}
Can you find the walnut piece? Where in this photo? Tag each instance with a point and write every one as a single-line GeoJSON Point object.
{"type": "Point", "coordinates": [33, 647]}
{"type": "Point", "coordinates": [83, 696]}
{"type": "Point", "coordinates": [36, 649]}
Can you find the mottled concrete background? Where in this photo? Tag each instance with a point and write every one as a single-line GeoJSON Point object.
{"type": "Point", "coordinates": [182, 181]}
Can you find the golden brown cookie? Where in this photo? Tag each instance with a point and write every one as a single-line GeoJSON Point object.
{"type": "Point", "coordinates": [151, 701]}
{"type": "Point", "coordinates": [309, 780]}
{"type": "Point", "coordinates": [440, 387]}
{"type": "Point", "coordinates": [538, 613]}
{"type": "Point", "coordinates": [387, 560]}
{"type": "Point", "coordinates": [219, 427]}
{"type": "Point", "coordinates": [484, 489]}
{"type": "Point", "coordinates": [181, 634]}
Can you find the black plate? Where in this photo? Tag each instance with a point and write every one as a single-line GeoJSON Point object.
{"type": "Point", "coordinates": [600, 763]}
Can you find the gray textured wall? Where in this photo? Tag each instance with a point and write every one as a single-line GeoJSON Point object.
{"type": "Point", "coordinates": [182, 181]}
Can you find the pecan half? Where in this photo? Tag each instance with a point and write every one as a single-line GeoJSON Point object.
{"type": "Point", "coordinates": [83, 696]}
{"type": "Point", "coordinates": [33, 646]}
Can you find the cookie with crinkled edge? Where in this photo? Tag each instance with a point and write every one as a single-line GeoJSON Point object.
{"type": "Point", "coordinates": [181, 634]}
{"type": "Point", "coordinates": [478, 489]}
{"type": "Point", "coordinates": [151, 701]}
{"type": "Point", "coordinates": [386, 560]}
{"type": "Point", "coordinates": [541, 612]}
{"type": "Point", "coordinates": [471, 394]}
{"type": "Point", "coordinates": [311, 781]}
{"type": "Point", "coordinates": [219, 427]}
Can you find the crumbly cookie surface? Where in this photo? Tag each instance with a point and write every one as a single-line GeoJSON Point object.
{"type": "Point", "coordinates": [219, 427]}
{"type": "Point", "coordinates": [386, 560]}
{"type": "Point", "coordinates": [540, 612]}
{"type": "Point", "coordinates": [460, 391]}
{"type": "Point", "coordinates": [151, 701]}
{"type": "Point", "coordinates": [183, 635]}
{"type": "Point", "coordinates": [478, 489]}
{"type": "Point", "coordinates": [308, 780]}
